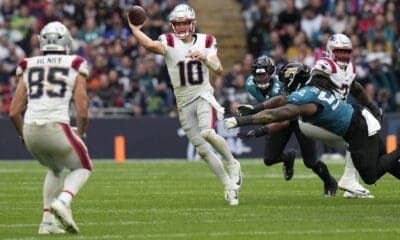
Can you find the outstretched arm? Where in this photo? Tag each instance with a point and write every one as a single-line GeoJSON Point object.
{"type": "Point", "coordinates": [151, 45]}
{"type": "Point", "coordinates": [286, 112]}
{"type": "Point", "coordinates": [274, 102]}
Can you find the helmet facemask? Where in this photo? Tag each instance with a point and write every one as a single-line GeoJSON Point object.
{"type": "Point", "coordinates": [262, 79]}
{"type": "Point", "coordinates": [55, 37]}
{"type": "Point", "coordinates": [339, 49]}
{"type": "Point", "coordinates": [183, 28]}
{"type": "Point", "coordinates": [182, 21]}
{"type": "Point", "coordinates": [342, 56]}
{"type": "Point", "coordinates": [262, 70]}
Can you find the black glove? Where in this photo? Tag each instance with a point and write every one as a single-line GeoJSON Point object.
{"type": "Point", "coordinates": [376, 111]}
{"type": "Point", "coordinates": [247, 136]}
{"type": "Point", "coordinates": [247, 109]}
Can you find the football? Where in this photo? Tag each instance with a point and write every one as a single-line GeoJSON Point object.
{"type": "Point", "coordinates": [137, 15]}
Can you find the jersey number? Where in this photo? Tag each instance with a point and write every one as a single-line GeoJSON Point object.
{"type": "Point", "coordinates": [331, 100]}
{"type": "Point", "coordinates": [36, 80]}
{"type": "Point", "coordinates": [190, 72]}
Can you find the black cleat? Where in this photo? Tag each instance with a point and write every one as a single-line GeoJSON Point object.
{"type": "Point", "coordinates": [288, 165]}
{"type": "Point", "coordinates": [330, 187]}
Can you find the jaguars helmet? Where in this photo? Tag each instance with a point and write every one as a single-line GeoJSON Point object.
{"type": "Point", "coordinates": [55, 37]}
{"type": "Point", "coordinates": [339, 49]}
{"type": "Point", "coordinates": [182, 13]}
{"type": "Point", "coordinates": [262, 69]}
{"type": "Point", "coordinates": [294, 75]}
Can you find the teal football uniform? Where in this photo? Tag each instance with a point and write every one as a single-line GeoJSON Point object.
{"type": "Point", "coordinates": [276, 89]}
{"type": "Point", "coordinates": [334, 116]}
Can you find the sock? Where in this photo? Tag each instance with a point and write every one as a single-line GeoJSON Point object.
{"type": "Point", "coordinates": [322, 171]}
{"type": "Point", "coordinates": [350, 171]}
{"type": "Point", "coordinates": [73, 183]}
{"type": "Point", "coordinates": [216, 166]}
{"type": "Point", "coordinates": [219, 144]}
{"type": "Point", "coordinates": [48, 216]}
{"type": "Point", "coordinates": [52, 187]}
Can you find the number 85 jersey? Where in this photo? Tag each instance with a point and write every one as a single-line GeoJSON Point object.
{"type": "Point", "coordinates": [189, 77]}
{"type": "Point", "coordinates": [50, 82]}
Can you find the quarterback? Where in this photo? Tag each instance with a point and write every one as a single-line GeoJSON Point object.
{"type": "Point", "coordinates": [189, 57]}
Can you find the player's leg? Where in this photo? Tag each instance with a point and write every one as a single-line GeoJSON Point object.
{"type": "Point", "coordinates": [207, 116]}
{"type": "Point", "coordinates": [37, 145]}
{"type": "Point", "coordinates": [66, 150]}
{"type": "Point", "coordinates": [274, 151]}
{"type": "Point", "coordinates": [309, 154]}
{"type": "Point", "coordinates": [349, 182]}
{"type": "Point", "coordinates": [189, 123]}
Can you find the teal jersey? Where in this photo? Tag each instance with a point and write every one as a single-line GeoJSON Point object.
{"type": "Point", "coordinates": [276, 89]}
{"type": "Point", "coordinates": [335, 114]}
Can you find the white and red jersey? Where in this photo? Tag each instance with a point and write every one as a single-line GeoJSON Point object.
{"type": "Point", "coordinates": [50, 82]}
{"type": "Point", "coordinates": [189, 77]}
{"type": "Point", "coordinates": [341, 77]}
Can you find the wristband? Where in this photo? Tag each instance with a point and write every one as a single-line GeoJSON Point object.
{"type": "Point", "coordinates": [245, 120]}
{"type": "Point", "coordinates": [212, 65]}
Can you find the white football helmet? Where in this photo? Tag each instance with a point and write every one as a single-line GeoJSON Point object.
{"type": "Point", "coordinates": [339, 49]}
{"type": "Point", "coordinates": [55, 37]}
{"type": "Point", "coordinates": [183, 13]}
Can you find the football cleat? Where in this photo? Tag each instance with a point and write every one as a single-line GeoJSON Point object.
{"type": "Point", "coordinates": [235, 174]}
{"type": "Point", "coordinates": [288, 165]}
{"type": "Point", "coordinates": [232, 196]}
{"type": "Point", "coordinates": [63, 213]}
{"type": "Point", "coordinates": [330, 188]}
{"type": "Point", "coordinates": [352, 186]}
{"type": "Point", "coordinates": [50, 228]}
{"type": "Point", "coordinates": [348, 194]}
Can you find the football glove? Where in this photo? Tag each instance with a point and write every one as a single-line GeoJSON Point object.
{"type": "Point", "coordinates": [230, 123]}
{"type": "Point", "coordinates": [247, 109]}
{"type": "Point", "coordinates": [247, 136]}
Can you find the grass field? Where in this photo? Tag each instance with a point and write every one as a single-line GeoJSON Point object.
{"type": "Point", "coordinates": [182, 200]}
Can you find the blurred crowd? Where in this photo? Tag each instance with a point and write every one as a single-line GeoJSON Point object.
{"type": "Point", "coordinates": [297, 30]}
{"type": "Point", "coordinates": [126, 80]}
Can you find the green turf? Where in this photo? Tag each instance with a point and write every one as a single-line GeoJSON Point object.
{"type": "Point", "coordinates": [183, 200]}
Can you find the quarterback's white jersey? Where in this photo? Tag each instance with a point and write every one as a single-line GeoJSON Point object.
{"type": "Point", "coordinates": [343, 78]}
{"type": "Point", "coordinates": [50, 82]}
{"type": "Point", "coordinates": [189, 77]}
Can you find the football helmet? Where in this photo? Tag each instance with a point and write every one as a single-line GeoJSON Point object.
{"type": "Point", "coordinates": [339, 49]}
{"type": "Point", "coordinates": [262, 70]}
{"type": "Point", "coordinates": [182, 13]}
{"type": "Point", "coordinates": [55, 37]}
{"type": "Point", "coordinates": [294, 75]}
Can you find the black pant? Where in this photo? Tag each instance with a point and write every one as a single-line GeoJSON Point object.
{"type": "Point", "coordinates": [276, 142]}
{"type": "Point", "coordinates": [368, 152]}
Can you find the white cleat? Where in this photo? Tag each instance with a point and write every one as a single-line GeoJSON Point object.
{"type": "Point", "coordinates": [50, 228]}
{"type": "Point", "coordinates": [63, 213]}
{"type": "Point", "coordinates": [235, 174]}
{"type": "Point", "coordinates": [232, 196]}
{"type": "Point", "coordinates": [347, 194]}
{"type": "Point", "coordinates": [352, 187]}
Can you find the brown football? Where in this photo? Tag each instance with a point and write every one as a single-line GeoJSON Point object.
{"type": "Point", "coordinates": [137, 15]}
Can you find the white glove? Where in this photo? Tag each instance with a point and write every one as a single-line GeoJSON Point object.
{"type": "Point", "coordinates": [230, 123]}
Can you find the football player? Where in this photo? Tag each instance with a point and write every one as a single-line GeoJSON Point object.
{"type": "Point", "coordinates": [47, 83]}
{"type": "Point", "coordinates": [263, 84]}
{"type": "Point", "coordinates": [337, 66]}
{"type": "Point", "coordinates": [189, 57]}
{"type": "Point", "coordinates": [317, 104]}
